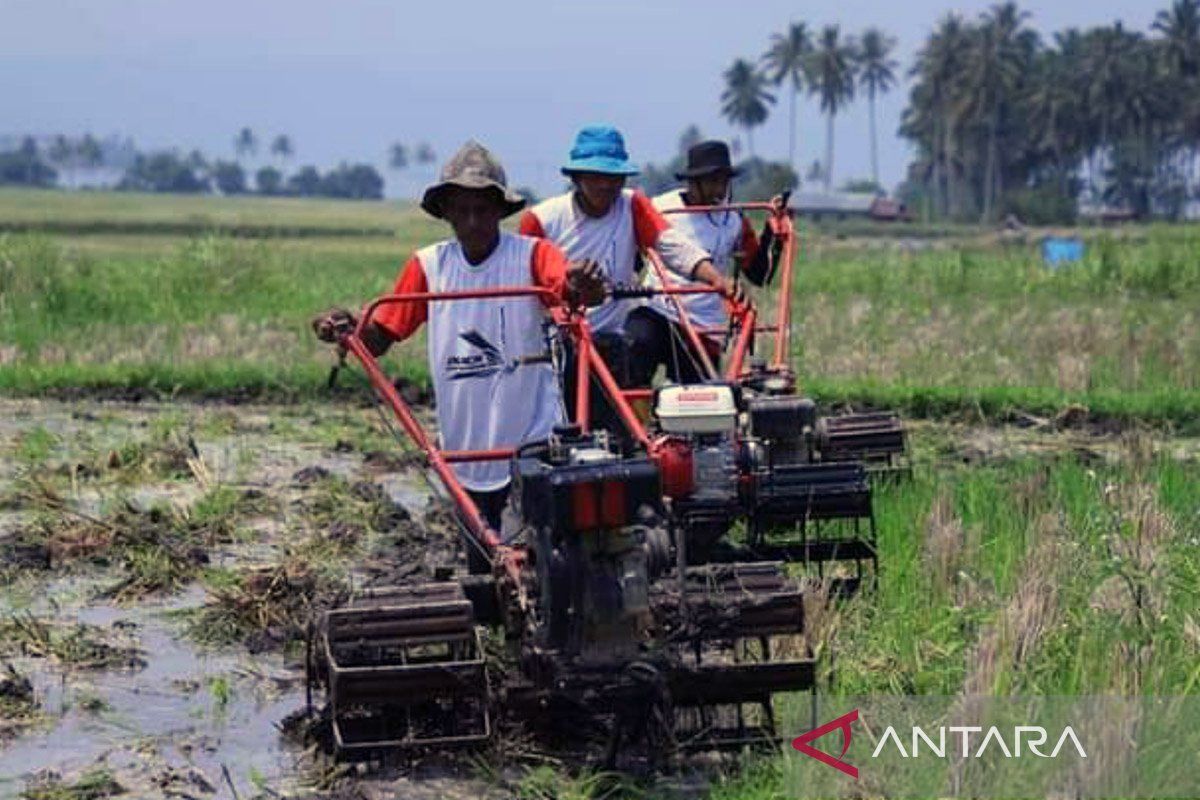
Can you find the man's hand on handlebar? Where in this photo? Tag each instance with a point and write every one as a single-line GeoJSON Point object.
{"type": "Point", "coordinates": [331, 325]}
{"type": "Point", "coordinates": [585, 283]}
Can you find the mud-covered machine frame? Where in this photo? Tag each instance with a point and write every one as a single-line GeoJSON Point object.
{"type": "Point", "coordinates": [623, 615]}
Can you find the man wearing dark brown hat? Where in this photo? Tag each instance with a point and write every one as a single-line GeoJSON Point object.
{"type": "Point", "coordinates": [493, 390]}
{"type": "Point", "coordinates": [730, 241]}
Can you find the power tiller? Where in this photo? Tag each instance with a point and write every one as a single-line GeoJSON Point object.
{"type": "Point", "coordinates": [607, 629]}
{"type": "Point", "coordinates": [627, 608]}
{"type": "Point", "coordinates": [747, 447]}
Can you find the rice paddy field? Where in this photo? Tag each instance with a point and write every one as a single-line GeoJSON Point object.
{"type": "Point", "coordinates": [179, 489]}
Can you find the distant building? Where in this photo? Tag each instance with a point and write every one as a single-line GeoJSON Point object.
{"type": "Point", "coordinates": [1106, 214]}
{"type": "Point", "coordinates": [848, 205]}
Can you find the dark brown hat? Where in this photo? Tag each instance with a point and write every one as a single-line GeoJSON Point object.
{"type": "Point", "coordinates": [472, 167]}
{"type": "Point", "coordinates": [708, 158]}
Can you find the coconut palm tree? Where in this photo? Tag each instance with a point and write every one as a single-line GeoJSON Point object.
{"type": "Point", "coordinates": [1052, 110]}
{"type": "Point", "coordinates": [281, 148]}
{"type": "Point", "coordinates": [746, 101]}
{"type": "Point", "coordinates": [784, 61]}
{"type": "Point", "coordinates": [1108, 51]}
{"type": "Point", "coordinates": [397, 156]}
{"type": "Point", "coordinates": [830, 75]}
{"type": "Point", "coordinates": [877, 72]}
{"type": "Point", "coordinates": [933, 114]}
{"type": "Point", "coordinates": [690, 137]}
{"type": "Point", "coordinates": [1180, 29]}
{"type": "Point", "coordinates": [62, 155]}
{"type": "Point", "coordinates": [91, 154]}
{"type": "Point", "coordinates": [245, 143]}
{"type": "Point", "coordinates": [999, 52]}
{"type": "Point", "coordinates": [1107, 104]}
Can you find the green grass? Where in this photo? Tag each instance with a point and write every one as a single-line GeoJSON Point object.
{"type": "Point", "coordinates": [983, 331]}
{"type": "Point", "coordinates": [136, 213]}
{"type": "Point", "coordinates": [95, 784]}
{"type": "Point", "coordinates": [1122, 320]}
{"type": "Point", "coordinates": [1035, 577]}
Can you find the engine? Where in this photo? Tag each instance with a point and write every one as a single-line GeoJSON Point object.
{"type": "Point", "coordinates": [593, 523]}
{"type": "Point", "coordinates": [727, 455]}
{"type": "Point", "coordinates": [701, 457]}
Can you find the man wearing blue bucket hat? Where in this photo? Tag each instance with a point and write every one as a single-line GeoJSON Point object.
{"type": "Point", "coordinates": [601, 222]}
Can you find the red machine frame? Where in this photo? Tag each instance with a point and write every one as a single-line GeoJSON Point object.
{"type": "Point", "coordinates": [589, 365]}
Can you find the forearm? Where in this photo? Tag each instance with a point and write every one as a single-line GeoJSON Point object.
{"type": "Point", "coordinates": [376, 339]}
{"type": "Point", "coordinates": [680, 254]}
{"type": "Point", "coordinates": [760, 259]}
{"type": "Point", "coordinates": [706, 272]}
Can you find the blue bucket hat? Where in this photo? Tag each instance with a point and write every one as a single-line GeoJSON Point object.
{"type": "Point", "coordinates": [599, 148]}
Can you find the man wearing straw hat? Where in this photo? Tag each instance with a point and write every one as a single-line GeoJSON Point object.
{"type": "Point", "coordinates": [494, 383]}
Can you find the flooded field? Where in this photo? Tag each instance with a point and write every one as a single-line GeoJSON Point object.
{"type": "Point", "coordinates": [160, 562]}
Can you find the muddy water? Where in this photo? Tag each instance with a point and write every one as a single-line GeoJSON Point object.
{"type": "Point", "coordinates": [183, 716]}
{"type": "Point", "coordinates": [192, 720]}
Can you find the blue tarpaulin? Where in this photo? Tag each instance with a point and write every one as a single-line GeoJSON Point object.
{"type": "Point", "coordinates": [1058, 250]}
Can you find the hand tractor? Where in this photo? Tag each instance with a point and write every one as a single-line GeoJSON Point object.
{"type": "Point", "coordinates": [618, 607]}
{"type": "Point", "coordinates": [809, 498]}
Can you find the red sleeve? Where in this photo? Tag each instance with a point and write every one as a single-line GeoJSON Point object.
{"type": "Point", "coordinates": [401, 320]}
{"type": "Point", "coordinates": [548, 267]}
{"type": "Point", "coordinates": [648, 223]}
{"type": "Point", "coordinates": [748, 245]}
{"type": "Point", "coordinates": [530, 225]}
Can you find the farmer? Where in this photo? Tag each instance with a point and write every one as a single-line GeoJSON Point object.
{"type": "Point", "coordinates": [729, 239]}
{"type": "Point", "coordinates": [494, 383]}
{"type": "Point", "coordinates": [601, 223]}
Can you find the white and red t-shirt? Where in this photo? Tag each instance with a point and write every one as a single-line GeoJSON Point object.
{"type": "Point", "coordinates": [727, 236]}
{"type": "Point", "coordinates": [613, 241]}
{"type": "Point", "coordinates": [486, 397]}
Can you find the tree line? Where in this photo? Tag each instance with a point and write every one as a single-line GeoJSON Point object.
{"type": "Point", "coordinates": [44, 164]}
{"type": "Point", "coordinates": [1005, 121]}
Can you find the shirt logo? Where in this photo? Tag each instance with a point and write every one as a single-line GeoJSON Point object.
{"type": "Point", "coordinates": [485, 361]}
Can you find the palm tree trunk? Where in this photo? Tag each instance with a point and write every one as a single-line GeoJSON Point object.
{"type": "Point", "coordinates": [874, 141]}
{"type": "Point", "coordinates": [989, 172]}
{"type": "Point", "coordinates": [750, 141]}
{"type": "Point", "coordinates": [828, 151]}
{"type": "Point", "coordinates": [948, 155]}
{"type": "Point", "coordinates": [938, 151]}
{"type": "Point", "coordinates": [997, 167]}
{"type": "Point", "coordinates": [792, 133]}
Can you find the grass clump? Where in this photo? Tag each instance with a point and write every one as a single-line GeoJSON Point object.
{"type": "Point", "coordinates": [343, 512]}
{"type": "Point", "coordinates": [35, 445]}
{"type": "Point", "coordinates": [216, 516]}
{"type": "Point", "coordinates": [94, 784]}
{"type": "Point", "coordinates": [546, 783]}
{"type": "Point", "coordinates": [19, 707]}
{"type": "Point", "coordinates": [157, 552]}
{"type": "Point", "coordinates": [159, 549]}
{"type": "Point", "coordinates": [170, 455]}
{"type": "Point", "coordinates": [77, 646]}
{"type": "Point", "coordinates": [269, 606]}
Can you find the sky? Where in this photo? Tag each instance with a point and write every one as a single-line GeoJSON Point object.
{"type": "Point", "coordinates": [344, 79]}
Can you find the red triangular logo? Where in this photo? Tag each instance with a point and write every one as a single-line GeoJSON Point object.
{"type": "Point", "coordinates": [801, 743]}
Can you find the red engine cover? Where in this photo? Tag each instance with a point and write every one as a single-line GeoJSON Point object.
{"type": "Point", "coordinates": [674, 458]}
